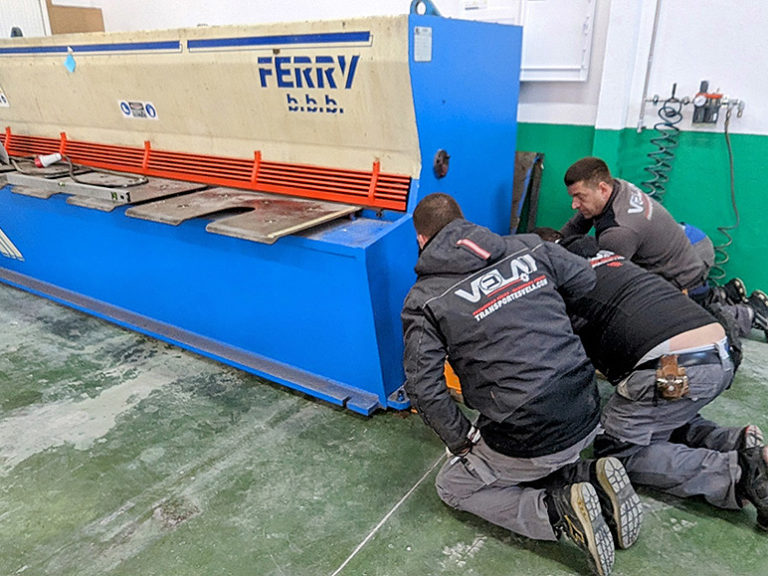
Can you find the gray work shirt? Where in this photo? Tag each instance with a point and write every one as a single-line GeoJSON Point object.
{"type": "Point", "coordinates": [637, 227]}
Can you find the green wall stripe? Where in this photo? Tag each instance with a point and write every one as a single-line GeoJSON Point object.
{"type": "Point", "coordinates": [698, 191]}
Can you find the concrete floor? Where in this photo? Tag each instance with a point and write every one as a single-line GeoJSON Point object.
{"type": "Point", "coordinates": [123, 455]}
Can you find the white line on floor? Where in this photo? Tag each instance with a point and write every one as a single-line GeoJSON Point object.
{"type": "Point", "coordinates": [388, 515]}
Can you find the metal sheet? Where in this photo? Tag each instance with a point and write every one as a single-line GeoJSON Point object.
{"type": "Point", "coordinates": [154, 189]}
{"type": "Point", "coordinates": [66, 185]}
{"type": "Point", "coordinates": [92, 191]}
{"type": "Point", "coordinates": [268, 216]}
{"type": "Point", "coordinates": [34, 192]}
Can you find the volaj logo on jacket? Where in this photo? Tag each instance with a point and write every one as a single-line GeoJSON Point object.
{"type": "Point", "coordinates": [637, 203]}
{"type": "Point", "coordinates": [520, 270]}
{"type": "Point", "coordinates": [8, 249]}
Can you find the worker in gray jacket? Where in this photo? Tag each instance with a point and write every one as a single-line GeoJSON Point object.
{"type": "Point", "coordinates": [630, 223]}
{"type": "Point", "coordinates": [494, 307]}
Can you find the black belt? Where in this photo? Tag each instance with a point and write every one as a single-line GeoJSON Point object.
{"type": "Point", "coordinates": [710, 356]}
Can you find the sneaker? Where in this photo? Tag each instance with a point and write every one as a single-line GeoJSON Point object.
{"type": "Point", "coordinates": [621, 506]}
{"type": "Point", "coordinates": [734, 291]}
{"type": "Point", "coordinates": [758, 301]}
{"type": "Point", "coordinates": [580, 518]}
{"type": "Point", "coordinates": [751, 437]}
{"type": "Point", "coordinates": [753, 485]}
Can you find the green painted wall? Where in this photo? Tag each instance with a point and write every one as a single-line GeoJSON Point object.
{"type": "Point", "coordinates": [562, 146]}
{"type": "Point", "coordinates": [698, 191]}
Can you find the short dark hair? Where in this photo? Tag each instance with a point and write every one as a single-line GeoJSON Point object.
{"type": "Point", "coordinates": [589, 170]}
{"type": "Point", "coordinates": [547, 234]}
{"type": "Point", "coordinates": [434, 212]}
{"type": "Point", "coordinates": [581, 245]}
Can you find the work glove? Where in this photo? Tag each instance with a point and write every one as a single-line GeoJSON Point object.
{"type": "Point", "coordinates": [473, 437]}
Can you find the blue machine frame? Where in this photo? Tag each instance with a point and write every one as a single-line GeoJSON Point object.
{"type": "Point", "coordinates": [319, 311]}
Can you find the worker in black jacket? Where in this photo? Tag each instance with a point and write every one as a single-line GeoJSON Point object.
{"type": "Point", "coordinates": [668, 358]}
{"type": "Point", "coordinates": [494, 307]}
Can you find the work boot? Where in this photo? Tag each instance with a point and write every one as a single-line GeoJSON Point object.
{"type": "Point", "coordinates": [734, 291]}
{"type": "Point", "coordinates": [621, 506]}
{"type": "Point", "coordinates": [751, 437]}
{"type": "Point", "coordinates": [579, 517]}
{"type": "Point", "coordinates": [753, 485]}
{"type": "Point", "coordinates": [758, 301]}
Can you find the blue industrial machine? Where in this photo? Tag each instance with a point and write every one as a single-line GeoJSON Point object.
{"type": "Point", "coordinates": [267, 221]}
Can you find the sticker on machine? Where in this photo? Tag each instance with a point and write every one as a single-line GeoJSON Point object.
{"type": "Point", "coordinates": [137, 110]}
{"type": "Point", "coordinates": [422, 44]}
{"type": "Point", "coordinates": [4, 99]}
{"type": "Point", "coordinates": [8, 249]}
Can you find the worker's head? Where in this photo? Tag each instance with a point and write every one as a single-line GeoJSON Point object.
{"type": "Point", "coordinates": [432, 214]}
{"type": "Point", "coordinates": [547, 234]}
{"type": "Point", "coordinates": [581, 245]}
{"type": "Point", "coordinates": [589, 184]}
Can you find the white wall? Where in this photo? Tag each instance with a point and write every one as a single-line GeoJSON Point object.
{"type": "Point", "coordinates": [29, 15]}
{"type": "Point", "coordinates": [721, 41]}
{"type": "Point", "coordinates": [121, 15]}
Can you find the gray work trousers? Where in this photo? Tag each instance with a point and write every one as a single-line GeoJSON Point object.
{"type": "Point", "coordinates": [666, 444]}
{"type": "Point", "coordinates": [487, 484]}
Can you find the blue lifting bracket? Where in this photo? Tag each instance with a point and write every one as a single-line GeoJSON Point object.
{"type": "Point", "coordinates": [398, 399]}
{"type": "Point", "coordinates": [422, 7]}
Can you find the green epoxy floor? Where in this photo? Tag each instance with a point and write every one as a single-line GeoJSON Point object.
{"type": "Point", "coordinates": [122, 455]}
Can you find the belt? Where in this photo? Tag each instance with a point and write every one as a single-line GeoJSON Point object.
{"type": "Point", "coordinates": [686, 359]}
{"type": "Point", "coordinates": [697, 291]}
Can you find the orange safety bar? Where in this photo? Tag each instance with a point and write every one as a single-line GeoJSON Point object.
{"type": "Point", "coordinates": [374, 188]}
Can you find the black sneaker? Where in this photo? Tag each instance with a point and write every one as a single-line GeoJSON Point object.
{"type": "Point", "coordinates": [735, 292]}
{"type": "Point", "coordinates": [621, 506]}
{"type": "Point", "coordinates": [753, 485]}
{"type": "Point", "coordinates": [751, 437]}
{"type": "Point", "coordinates": [758, 301]}
{"type": "Point", "coordinates": [580, 518]}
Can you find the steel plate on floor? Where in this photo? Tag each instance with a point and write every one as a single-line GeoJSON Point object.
{"type": "Point", "coordinates": [261, 218]}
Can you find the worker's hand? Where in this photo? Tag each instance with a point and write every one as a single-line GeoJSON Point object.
{"type": "Point", "coordinates": [473, 437]}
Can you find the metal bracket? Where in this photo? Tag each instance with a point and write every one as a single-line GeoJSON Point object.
{"type": "Point", "coordinates": [424, 7]}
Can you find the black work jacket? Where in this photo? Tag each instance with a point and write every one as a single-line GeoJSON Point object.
{"type": "Point", "coordinates": [494, 306]}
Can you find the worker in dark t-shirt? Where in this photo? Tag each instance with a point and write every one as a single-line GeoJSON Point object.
{"type": "Point", "coordinates": [668, 358]}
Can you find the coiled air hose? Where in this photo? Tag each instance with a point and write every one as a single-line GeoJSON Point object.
{"type": "Point", "coordinates": [665, 141]}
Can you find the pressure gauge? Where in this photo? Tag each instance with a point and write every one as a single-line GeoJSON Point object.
{"type": "Point", "coordinates": [699, 100]}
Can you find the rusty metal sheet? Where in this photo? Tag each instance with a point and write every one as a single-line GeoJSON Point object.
{"type": "Point", "coordinates": [262, 218]}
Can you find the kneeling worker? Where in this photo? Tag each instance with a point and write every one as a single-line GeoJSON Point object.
{"type": "Point", "coordinates": [668, 358]}
{"type": "Point", "coordinates": [494, 307]}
